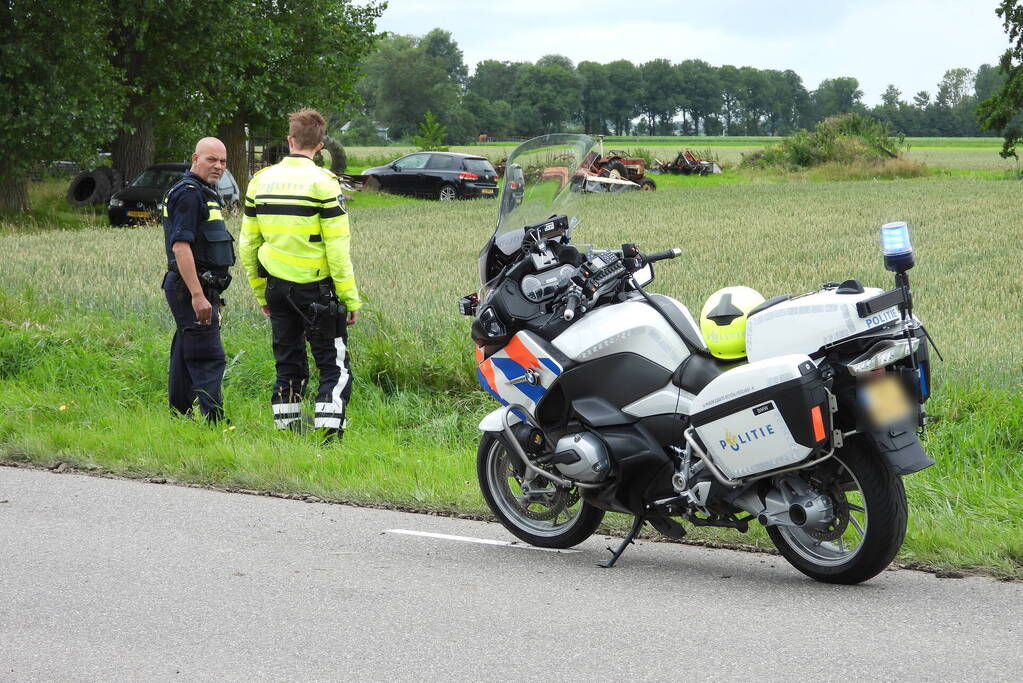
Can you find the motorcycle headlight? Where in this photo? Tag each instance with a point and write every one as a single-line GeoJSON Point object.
{"type": "Point", "coordinates": [881, 354]}
{"type": "Point", "coordinates": [114, 203]}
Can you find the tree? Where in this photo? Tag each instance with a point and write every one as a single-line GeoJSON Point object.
{"type": "Point", "coordinates": [494, 80]}
{"type": "Point", "coordinates": [890, 96]}
{"type": "Point", "coordinates": [282, 55]}
{"type": "Point", "coordinates": [165, 78]}
{"type": "Point", "coordinates": [624, 89]}
{"type": "Point", "coordinates": [660, 97]}
{"type": "Point", "coordinates": [700, 90]}
{"type": "Point", "coordinates": [439, 44]}
{"type": "Point", "coordinates": [1001, 111]}
{"type": "Point", "coordinates": [955, 85]}
{"type": "Point", "coordinates": [753, 98]}
{"type": "Point", "coordinates": [431, 135]}
{"type": "Point", "coordinates": [837, 96]}
{"type": "Point", "coordinates": [403, 82]}
{"type": "Point", "coordinates": [58, 93]}
{"type": "Point", "coordinates": [731, 91]}
{"type": "Point", "coordinates": [550, 92]}
{"type": "Point", "coordinates": [596, 97]}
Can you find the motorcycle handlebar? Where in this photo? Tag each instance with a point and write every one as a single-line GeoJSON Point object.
{"type": "Point", "coordinates": [661, 255]}
{"type": "Point", "coordinates": [571, 301]}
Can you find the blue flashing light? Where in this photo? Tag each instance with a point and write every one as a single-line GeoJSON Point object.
{"type": "Point", "coordinates": [924, 391]}
{"type": "Point", "coordinates": [898, 252]}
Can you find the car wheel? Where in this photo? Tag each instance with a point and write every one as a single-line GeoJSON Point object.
{"type": "Point", "coordinates": [371, 184]}
{"type": "Point", "coordinates": [447, 193]}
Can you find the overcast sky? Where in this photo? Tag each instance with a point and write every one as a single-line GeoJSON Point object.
{"type": "Point", "coordinates": [910, 43]}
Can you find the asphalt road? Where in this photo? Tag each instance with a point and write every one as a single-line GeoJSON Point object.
{"type": "Point", "coordinates": [104, 579]}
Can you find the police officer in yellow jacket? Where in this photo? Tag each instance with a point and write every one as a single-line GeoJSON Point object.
{"type": "Point", "coordinates": [200, 252]}
{"type": "Point", "coordinates": [295, 249]}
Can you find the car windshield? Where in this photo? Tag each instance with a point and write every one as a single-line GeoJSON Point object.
{"type": "Point", "coordinates": [158, 178]}
{"type": "Point", "coordinates": [542, 178]}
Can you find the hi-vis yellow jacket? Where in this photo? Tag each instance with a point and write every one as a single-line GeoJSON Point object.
{"type": "Point", "coordinates": [295, 226]}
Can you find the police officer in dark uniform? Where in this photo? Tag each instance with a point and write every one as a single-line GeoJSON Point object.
{"type": "Point", "coordinates": [200, 253]}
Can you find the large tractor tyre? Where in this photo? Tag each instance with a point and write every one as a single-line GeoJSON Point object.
{"type": "Point", "coordinates": [551, 517]}
{"type": "Point", "coordinates": [88, 188]}
{"type": "Point", "coordinates": [332, 156]}
{"type": "Point", "coordinates": [113, 177]}
{"type": "Point", "coordinates": [616, 169]}
{"type": "Point", "coordinates": [647, 184]}
{"type": "Point", "coordinates": [275, 152]}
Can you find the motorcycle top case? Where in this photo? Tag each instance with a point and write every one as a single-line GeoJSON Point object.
{"type": "Point", "coordinates": [764, 415]}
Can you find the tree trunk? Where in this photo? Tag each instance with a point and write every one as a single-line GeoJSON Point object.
{"type": "Point", "coordinates": [133, 152]}
{"type": "Point", "coordinates": [14, 195]}
{"type": "Point", "coordinates": [232, 134]}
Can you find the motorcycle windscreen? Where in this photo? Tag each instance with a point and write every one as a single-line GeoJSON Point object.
{"type": "Point", "coordinates": [541, 178]}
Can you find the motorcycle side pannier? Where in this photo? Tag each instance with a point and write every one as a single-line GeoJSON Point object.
{"type": "Point", "coordinates": [764, 415]}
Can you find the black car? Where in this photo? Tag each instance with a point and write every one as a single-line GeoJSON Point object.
{"type": "Point", "coordinates": [139, 202]}
{"type": "Point", "coordinates": [439, 175]}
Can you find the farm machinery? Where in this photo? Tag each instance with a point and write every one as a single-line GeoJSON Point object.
{"type": "Point", "coordinates": [686, 163]}
{"type": "Point", "coordinates": [615, 171]}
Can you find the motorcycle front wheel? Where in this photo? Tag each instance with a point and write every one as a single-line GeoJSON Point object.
{"type": "Point", "coordinates": [869, 524]}
{"type": "Point", "coordinates": [537, 512]}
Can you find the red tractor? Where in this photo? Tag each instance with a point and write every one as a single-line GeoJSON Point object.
{"type": "Point", "coordinates": [617, 166]}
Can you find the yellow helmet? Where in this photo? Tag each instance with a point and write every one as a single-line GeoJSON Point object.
{"type": "Point", "coordinates": [723, 320]}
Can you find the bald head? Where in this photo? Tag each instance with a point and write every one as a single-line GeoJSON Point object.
{"type": "Point", "coordinates": [209, 160]}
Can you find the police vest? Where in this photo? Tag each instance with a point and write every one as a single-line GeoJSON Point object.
{"type": "Point", "coordinates": [213, 248]}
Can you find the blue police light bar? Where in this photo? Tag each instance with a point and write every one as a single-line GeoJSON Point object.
{"type": "Point", "coordinates": [898, 252]}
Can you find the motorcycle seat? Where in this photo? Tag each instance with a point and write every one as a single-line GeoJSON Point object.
{"type": "Point", "coordinates": [697, 371]}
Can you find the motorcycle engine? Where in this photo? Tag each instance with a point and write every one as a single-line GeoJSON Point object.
{"type": "Point", "coordinates": [582, 457]}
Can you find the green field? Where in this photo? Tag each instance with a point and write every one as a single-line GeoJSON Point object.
{"type": "Point", "coordinates": [84, 335]}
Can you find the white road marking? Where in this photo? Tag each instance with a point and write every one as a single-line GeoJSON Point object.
{"type": "Point", "coordinates": [470, 539]}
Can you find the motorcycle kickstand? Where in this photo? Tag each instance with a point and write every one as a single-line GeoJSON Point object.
{"type": "Point", "coordinates": [637, 524]}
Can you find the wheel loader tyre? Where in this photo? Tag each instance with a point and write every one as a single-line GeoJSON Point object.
{"type": "Point", "coordinates": [338, 156]}
{"type": "Point", "coordinates": [88, 188]}
{"type": "Point", "coordinates": [275, 152]}
{"type": "Point", "coordinates": [113, 177]}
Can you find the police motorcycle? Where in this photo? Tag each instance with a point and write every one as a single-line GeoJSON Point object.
{"type": "Point", "coordinates": [612, 400]}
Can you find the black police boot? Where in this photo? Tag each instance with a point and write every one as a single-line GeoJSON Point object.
{"type": "Point", "coordinates": [333, 437]}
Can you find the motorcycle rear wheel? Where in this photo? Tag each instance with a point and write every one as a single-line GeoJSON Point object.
{"type": "Point", "coordinates": [871, 515]}
{"type": "Point", "coordinates": [554, 518]}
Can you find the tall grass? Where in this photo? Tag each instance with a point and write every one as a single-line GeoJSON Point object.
{"type": "Point", "coordinates": [83, 325]}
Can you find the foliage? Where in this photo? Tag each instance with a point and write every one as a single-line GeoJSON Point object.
{"type": "Point", "coordinates": [1002, 110]}
{"type": "Point", "coordinates": [57, 94]}
{"type": "Point", "coordinates": [845, 139]}
{"type": "Point", "coordinates": [362, 132]}
{"type": "Point", "coordinates": [431, 135]}
{"type": "Point", "coordinates": [403, 81]}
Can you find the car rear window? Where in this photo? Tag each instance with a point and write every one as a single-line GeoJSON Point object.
{"type": "Point", "coordinates": [479, 166]}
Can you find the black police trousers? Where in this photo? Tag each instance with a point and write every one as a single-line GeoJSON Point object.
{"type": "Point", "coordinates": [197, 360]}
{"type": "Point", "coordinates": [295, 321]}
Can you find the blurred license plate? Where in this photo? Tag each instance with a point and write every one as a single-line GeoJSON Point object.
{"type": "Point", "coordinates": [138, 214]}
{"type": "Point", "coordinates": [886, 400]}
{"type": "Point", "coordinates": [487, 190]}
